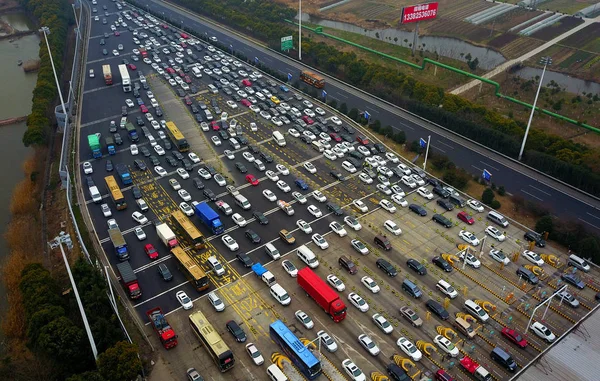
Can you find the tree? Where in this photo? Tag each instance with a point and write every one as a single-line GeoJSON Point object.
{"type": "Point", "coordinates": [400, 137]}
{"type": "Point", "coordinates": [375, 126]}
{"type": "Point", "coordinates": [353, 113]}
{"type": "Point", "coordinates": [590, 248]}
{"type": "Point", "coordinates": [87, 376]}
{"type": "Point", "coordinates": [487, 197]}
{"type": "Point", "coordinates": [545, 224]}
{"type": "Point", "coordinates": [37, 321]}
{"type": "Point", "coordinates": [120, 363]}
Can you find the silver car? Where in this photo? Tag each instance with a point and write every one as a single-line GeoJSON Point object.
{"type": "Point", "coordinates": [327, 341]}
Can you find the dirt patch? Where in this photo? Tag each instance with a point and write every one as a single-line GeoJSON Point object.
{"type": "Point", "coordinates": [502, 40]}
{"type": "Point", "coordinates": [512, 18]}
{"type": "Point", "coordinates": [558, 28]}
{"type": "Point", "coordinates": [588, 38]}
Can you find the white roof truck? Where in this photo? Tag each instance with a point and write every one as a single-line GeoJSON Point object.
{"type": "Point", "coordinates": [125, 80]}
{"type": "Point", "coordinates": [166, 235]}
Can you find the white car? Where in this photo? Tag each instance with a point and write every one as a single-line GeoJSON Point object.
{"type": "Point", "coordinates": [309, 112]}
{"type": "Point", "coordinates": [382, 169]}
{"type": "Point", "coordinates": [202, 172]}
{"type": "Point", "coordinates": [327, 341]}
{"type": "Point", "coordinates": [409, 348]}
{"type": "Point", "coordinates": [425, 193]}
{"type": "Point", "coordinates": [368, 344]}
{"type": "Point", "coordinates": [397, 190]}
{"type": "Point", "coordinates": [139, 218]}
{"type": "Point", "coordinates": [495, 233]}
{"type": "Point", "coordinates": [183, 173]}
{"type": "Point", "coordinates": [409, 181]}
{"type": "Point", "coordinates": [418, 179]}
{"type": "Point", "coordinates": [160, 171]}
{"type": "Point", "coordinates": [468, 237]}
{"type": "Point", "coordinates": [471, 260]}
{"type": "Point", "coordinates": [336, 120]}
{"type": "Point", "coordinates": [220, 180]}
{"type": "Point", "coordinates": [307, 103]}
{"type": "Point", "coordinates": [446, 345]}
{"type": "Point", "coordinates": [365, 151]}
{"type": "Point", "coordinates": [193, 157]}
{"type": "Point", "coordinates": [399, 200]}
{"type": "Point", "coordinates": [387, 205]}
{"type": "Point", "coordinates": [139, 233]}
{"type": "Point", "coordinates": [385, 181]}
{"type": "Point", "coordinates": [329, 154]}
{"type": "Point", "coordinates": [543, 332]}
{"type": "Point", "coordinates": [293, 132]}
{"type": "Point", "coordinates": [336, 283]}
{"type": "Point", "coordinates": [115, 52]}
{"type": "Point", "coordinates": [359, 246]}
{"type": "Point", "coordinates": [316, 212]}
{"type": "Point", "coordinates": [365, 178]}
{"type": "Point", "coordinates": [254, 353]}
{"type": "Point", "coordinates": [289, 268]}
{"type": "Point", "coordinates": [304, 226]}
{"type": "Point", "coordinates": [310, 167]}
{"type": "Point", "coordinates": [185, 196]}
{"type": "Point", "coordinates": [248, 156]}
{"type": "Point", "coordinates": [475, 205]}
{"type": "Point", "coordinates": [358, 302]}
{"type": "Point", "coordinates": [134, 149]}
{"type": "Point", "coordinates": [353, 371]}
{"type": "Point", "coordinates": [282, 169]}
{"type": "Point", "coordinates": [369, 160]}
{"type": "Point", "coordinates": [184, 300]}
{"type": "Point", "coordinates": [392, 157]}
{"type": "Point", "coordinates": [156, 126]}
{"type": "Point", "coordinates": [186, 209]}
{"type": "Point", "coordinates": [391, 226]}
{"type": "Point", "coordinates": [383, 324]}
{"type": "Point", "coordinates": [338, 229]}
{"type": "Point", "coordinates": [159, 150]}
{"type": "Point", "coordinates": [361, 206]}
{"type": "Point", "coordinates": [319, 196]}
{"type": "Point", "coordinates": [87, 168]}
{"type": "Point", "coordinates": [269, 195]}
{"type": "Point", "coordinates": [106, 210]}
{"type": "Point", "coordinates": [231, 243]}
{"type": "Point", "coordinates": [320, 241]}
{"type": "Point", "coordinates": [348, 166]}
{"type": "Point", "coordinates": [283, 186]}
{"type": "Point", "coordinates": [231, 104]}
{"type": "Point", "coordinates": [533, 257]}
{"type": "Point", "coordinates": [272, 175]}
{"type": "Point", "coordinates": [384, 189]}
{"type": "Point", "coordinates": [216, 141]}
{"type": "Point", "coordinates": [304, 319]}
{"type": "Point", "coordinates": [353, 223]}
{"type": "Point", "coordinates": [370, 284]}
{"type": "Point", "coordinates": [299, 197]}
{"type": "Point", "coordinates": [239, 220]}
{"type": "Point", "coordinates": [129, 103]}
{"type": "Point", "coordinates": [498, 255]}
{"type": "Point", "coordinates": [320, 111]}
{"type": "Point", "coordinates": [229, 154]}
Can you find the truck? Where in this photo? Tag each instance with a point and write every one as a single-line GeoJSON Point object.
{"type": "Point", "coordinates": [320, 292]}
{"type": "Point", "coordinates": [94, 143]}
{"type": "Point", "coordinates": [129, 280]}
{"type": "Point", "coordinates": [209, 217]}
{"type": "Point", "coordinates": [143, 52]}
{"type": "Point", "coordinates": [132, 132]}
{"type": "Point", "coordinates": [161, 326]}
{"type": "Point", "coordinates": [107, 74]}
{"type": "Point", "coordinates": [125, 80]}
{"type": "Point", "coordinates": [166, 235]}
{"type": "Point", "coordinates": [264, 274]}
{"type": "Point", "coordinates": [110, 145]}
{"type": "Point", "coordinates": [287, 208]}
{"type": "Point", "coordinates": [224, 207]}
{"type": "Point", "coordinates": [124, 175]}
{"type": "Point", "coordinates": [118, 241]}
{"type": "Point", "coordinates": [476, 370]}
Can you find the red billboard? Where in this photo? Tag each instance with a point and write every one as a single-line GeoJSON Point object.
{"type": "Point", "coordinates": [421, 12]}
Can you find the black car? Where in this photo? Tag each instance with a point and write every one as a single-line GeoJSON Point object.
{"type": "Point", "coordinates": [158, 111]}
{"type": "Point", "coordinates": [136, 92]}
{"type": "Point", "coordinates": [194, 109]}
{"type": "Point", "coordinates": [177, 155]}
{"type": "Point", "coordinates": [187, 165]}
{"type": "Point", "coordinates": [434, 182]}
{"type": "Point", "coordinates": [573, 279]}
{"type": "Point", "coordinates": [305, 139]}
{"type": "Point", "coordinates": [380, 147]}
{"type": "Point", "coordinates": [171, 160]}
{"type": "Point", "coordinates": [211, 170]}
{"type": "Point", "coordinates": [237, 332]}
{"type": "Point", "coordinates": [349, 129]}
{"type": "Point", "coordinates": [387, 267]}
{"type": "Point", "coordinates": [252, 236]}
{"type": "Point", "coordinates": [440, 191]}
{"type": "Point", "coordinates": [266, 157]}
{"type": "Point", "coordinates": [139, 120]}
{"type": "Point", "coordinates": [166, 144]}
{"type": "Point", "coordinates": [347, 138]}
{"type": "Point", "coordinates": [445, 204]}
{"type": "Point", "coordinates": [145, 151]}
{"type": "Point", "coordinates": [441, 263]}
{"type": "Point", "coordinates": [140, 164]}
{"type": "Point", "coordinates": [224, 135]}
{"type": "Point", "coordinates": [253, 149]}
{"type": "Point", "coordinates": [180, 92]}
{"type": "Point", "coordinates": [244, 259]}
{"type": "Point", "coordinates": [244, 141]}
{"type": "Point", "coordinates": [109, 165]}
{"type": "Point", "coordinates": [89, 181]}
{"type": "Point", "coordinates": [418, 209]}
{"type": "Point", "coordinates": [369, 172]}
{"type": "Point", "coordinates": [260, 217]}
{"type": "Point", "coordinates": [137, 193]}
{"type": "Point", "coordinates": [335, 209]}
{"type": "Point", "coordinates": [337, 175]}
{"type": "Point", "coordinates": [437, 309]}
{"type": "Point", "coordinates": [154, 160]}
{"type": "Point", "coordinates": [416, 266]}
{"type": "Point", "coordinates": [118, 139]}
{"type": "Point", "coordinates": [535, 237]}
{"type": "Point", "coordinates": [210, 194]}
{"type": "Point", "coordinates": [164, 272]}
{"type": "Point", "coordinates": [199, 118]}
{"type": "Point", "coordinates": [198, 183]}
{"type": "Point", "coordinates": [442, 220]}
{"type": "Point", "coordinates": [241, 167]}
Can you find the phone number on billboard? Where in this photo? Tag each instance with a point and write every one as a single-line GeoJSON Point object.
{"type": "Point", "coordinates": [420, 15]}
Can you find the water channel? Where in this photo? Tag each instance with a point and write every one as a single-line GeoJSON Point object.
{"type": "Point", "coordinates": [569, 84]}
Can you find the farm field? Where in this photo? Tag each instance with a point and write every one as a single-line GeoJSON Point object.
{"type": "Point", "coordinates": [557, 29]}
{"type": "Point", "coordinates": [563, 6]}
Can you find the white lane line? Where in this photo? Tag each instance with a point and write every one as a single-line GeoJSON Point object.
{"type": "Point", "coordinates": [438, 148]}
{"type": "Point", "coordinates": [477, 168]}
{"type": "Point", "coordinates": [405, 125]}
{"type": "Point", "coordinates": [342, 95]}
{"type": "Point", "coordinates": [539, 190]}
{"type": "Point", "coordinates": [372, 109]}
{"type": "Point", "coordinates": [589, 223]}
{"type": "Point", "coordinates": [489, 165]}
{"type": "Point", "coordinates": [593, 215]}
{"type": "Point", "coordinates": [527, 193]}
{"type": "Point", "coordinates": [442, 143]}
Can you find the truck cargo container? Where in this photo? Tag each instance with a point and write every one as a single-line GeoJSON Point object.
{"type": "Point", "coordinates": [124, 174]}
{"type": "Point", "coordinates": [110, 145]}
{"type": "Point", "coordinates": [209, 217]}
{"type": "Point", "coordinates": [166, 235]}
{"type": "Point", "coordinates": [320, 292]}
{"type": "Point", "coordinates": [118, 241]}
{"type": "Point", "coordinates": [125, 80]}
{"type": "Point", "coordinates": [94, 143]}
{"type": "Point", "coordinates": [129, 280]}
{"type": "Point", "coordinates": [107, 74]}
{"type": "Point", "coordinates": [132, 132]}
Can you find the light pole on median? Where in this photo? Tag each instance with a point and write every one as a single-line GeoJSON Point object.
{"type": "Point", "coordinates": [546, 61]}
{"type": "Point", "coordinates": [300, 30]}
{"type": "Point", "coordinates": [46, 31]}
{"type": "Point", "coordinates": [76, 21]}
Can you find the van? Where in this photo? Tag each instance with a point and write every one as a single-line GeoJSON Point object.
{"type": "Point", "coordinates": [528, 275]}
{"type": "Point", "coordinates": [497, 218]}
{"type": "Point", "coordinates": [396, 373]}
{"type": "Point", "coordinates": [216, 265]}
{"type": "Point", "coordinates": [213, 89]}
{"type": "Point", "coordinates": [152, 140]}
{"type": "Point", "coordinates": [242, 202]}
{"type": "Point", "coordinates": [579, 263]}
{"type": "Point", "coordinates": [280, 294]}
{"type": "Point", "coordinates": [463, 326]}
{"type": "Point", "coordinates": [279, 139]}
{"type": "Point", "coordinates": [275, 374]}
{"type": "Point", "coordinates": [383, 242]}
{"type": "Point", "coordinates": [234, 143]}
{"type": "Point", "coordinates": [307, 256]}
{"type": "Point", "coordinates": [259, 165]}
{"type": "Point", "coordinates": [142, 204]}
{"type": "Point", "coordinates": [503, 358]}
{"type": "Point", "coordinates": [272, 251]}
{"type": "Point", "coordinates": [411, 289]}
{"type": "Point", "coordinates": [347, 264]}
{"type": "Point", "coordinates": [96, 197]}
{"type": "Point", "coordinates": [317, 146]}
{"type": "Point", "coordinates": [216, 302]}
{"type": "Point", "coordinates": [123, 122]}
{"type": "Point", "coordinates": [446, 289]}
{"type": "Point", "coordinates": [476, 310]}
{"type": "Point", "coordinates": [197, 72]}
{"type": "Point", "coordinates": [457, 200]}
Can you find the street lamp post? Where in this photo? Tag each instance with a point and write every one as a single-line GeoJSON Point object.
{"type": "Point", "coordinates": [300, 30]}
{"type": "Point", "coordinates": [46, 31]}
{"type": "Point", "coordinates": [76, 21]}
{"type": "Point", "coordinates": [546, 61]}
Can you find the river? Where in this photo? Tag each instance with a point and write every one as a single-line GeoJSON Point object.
{"type": "Point", "coordinates": [17, 88]}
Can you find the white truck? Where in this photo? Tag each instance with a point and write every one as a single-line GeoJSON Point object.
{"type": "Point", "coordinates": [125, 80]}
{"type": "Point", "coordinates": [287, 208]}
{"type": "Point", "coordinates": [166, 235]}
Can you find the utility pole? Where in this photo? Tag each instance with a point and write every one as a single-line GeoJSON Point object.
{"type": "Point", "coordinates": [300, 30]}
{"type": "Point", "coordinates": [46, 31]}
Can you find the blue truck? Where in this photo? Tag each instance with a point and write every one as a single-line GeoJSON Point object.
{"type": "Point", "coordinates": [132, 132]}
{"type": "Point", "coordinates": [110, 145]}
{"type": "Point", "coordinates": [94, 143]}
{"type": "Point", "coordinates": [119, 244]}
{"type": "Point", "coordinates": [209, 217]}
{"type": "Point", "coordinates": [264, 274]}
{"type": "Point", "coordinates": [124, 174]}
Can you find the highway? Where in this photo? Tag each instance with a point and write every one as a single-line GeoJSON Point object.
{"type": "Point", "coordinates": [561, 200]}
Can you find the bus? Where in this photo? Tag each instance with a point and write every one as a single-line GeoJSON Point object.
{"type": "Point", "coordinates": [186, 226]}
{"type": "Point", "coordinates": [191, 268]}
{"type": "Point", "coordinates": [210, 339]}
{"type": "Point", "coordinates": [293, 348]}
{"type": "Point", "coordinates": [312, 79]}
{"type": "Point", "coordinates": [115, 192]}
{"type": "Point", "coordinates": [177, 137]}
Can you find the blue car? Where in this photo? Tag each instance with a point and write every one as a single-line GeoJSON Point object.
{"type": "Point", "coordinates": [284, 88]}
{"type": "Point", "coordinates": [301, 184]}
{"type": "Point", "coordinates": [574, 280]}
{"type": "Point", "coordinates": [140, 101]}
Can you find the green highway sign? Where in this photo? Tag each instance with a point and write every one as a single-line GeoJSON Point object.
{"type": "Point", "coordinates": [287, 43]}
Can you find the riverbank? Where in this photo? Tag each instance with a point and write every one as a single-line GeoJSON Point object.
{"type": "Point", "coordinates": [9, 121]}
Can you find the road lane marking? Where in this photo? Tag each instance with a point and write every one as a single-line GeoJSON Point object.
{"type": "Point", "coordinates": [539, 190]}
{"type": "Point", "coordinates": [439, 149]}
{"type": "Point", "coordinates": [442, 143]}
{"type": "Point", "coordinates": [589, 223]}
{"type": "Point", "coordinates": [529, 194]}
{"type": "Point", "coordinates": [489, 165]}
{"type": "Point", "coordinates": [593, 215]}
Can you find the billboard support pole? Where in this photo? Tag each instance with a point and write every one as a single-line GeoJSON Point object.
{"type": "Point", "coordinates": [415, 37]}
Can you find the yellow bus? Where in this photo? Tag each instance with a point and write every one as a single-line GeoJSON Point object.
{"type": "Point", "coordinates": [190, 230]}
{"type": "Point", "coordinates": [210, 339]}
{"type": "Point", "coordinates": [312, 79]}
{"type": "Point", "coordinates": [115, 192]}
{"type": "Point", "coordinates": [191, 268]}
{"type": "Point", "coordinates": [177, 137]}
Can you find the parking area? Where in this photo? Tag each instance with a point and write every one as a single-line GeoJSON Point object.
{"type": "Point", "coordinates": [326, 170]}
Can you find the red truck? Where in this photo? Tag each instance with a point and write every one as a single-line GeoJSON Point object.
{"type": "Point", "coordinates": [166, 334]}
{"type": "Point", "coordinates": [129, 280]}
{"type": "Point", "coordinates": [143, 52]}
{"type": "Point", "coordinates": [320, 291]}
{"type": "Point", "coordinates": [476, 370]}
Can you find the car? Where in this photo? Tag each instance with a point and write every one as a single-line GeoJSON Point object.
{"type": "Point", "coordinates": [465, 217]}
{"type": "Point", "coordinates": [360, 205]}
{"type": "Point", "coordinates": [310, 167]}
{"type": "Point", "coordinates": [244, 259]}
{"type": "Point", "coordinates": [337, 175]}
{"type": "Point", "coordinates": [186, 209]}
{"type": "Point", "coordinates": [236, 331]}
{"type": "Point", "coordinates": [468, 237]}
{"type": "Point", "coordinates": [193, 375]}
{"type": "Point", "coordinates": [514, 337]}
{"type": "Point", "coordinates": [411, 316]}
{"type": "Point", "coordinates": [399, 200]}
{"type": "Point", "coordinates": [252, 236]}
{"type": "Point", "coordinates": [408, 181]}
{"type": "Point", "coordinates": [495, 233]}
{"type": "Point", "coordinates": [396, 189]}
{"type": "Point", "coordinates": [327, 341]}
{"type": "Point", "coordinates": [533, 257]}
{"type": "Point", "coordinates": [336, 283]}
{"type": "Point", "coordinates": [425, 193]}
{"type": "Point", "coordinates": [174, 184]}
{"type": "Point", "coordinates": [370, 284]}
{"type": "Point", "coordinates": [498, 255]}
{"type": "Point", "coordinates": [239, 220]}
{"type": "Point", "coordinates": [260, 217]}
{"type": "Point", "coordinates": [216, 141]}
{"type": "Point", "coordinates": [220, 180]}
{"type": "Point", "coordinates": [193, 157]}
{"type": "Point", "coordinates": [358, 302]}
{"type": "Point", "coordinates": [441, 263]}
{"type": "Point", "coordinates": [315, 211]}
{"type": "Point", "coordinates": [416, 266]}
{"type": "Point", "coordinates": [387, 205]}
{"type": "Point", "coordinates": [254, 353]}
{"type": "Point", "coordinates": [160, 171]}
{"type": "Point", "coordinates": [251, 179]}
{"type": "Point", "coordinates": [392, 227]}
{"type": "Point", "coordinates": [446, 346]}
{"type": "Point", "coordinates": [382, 323]}
{"type": "Point", "coordinates": [319, 196]}
{"type": "Point", "coordinates": [287, 237]}
{"type": "Point", "coordinates": [418, 209]}
{"type": "Point", "coordinates": [269, 195]}
{"type": "Point", "coordinates": [184, 300]}
{"type": "Point", "coordinates": [470, 259]}
{"type": "Point", "coordinates": [231, 244]}
{"type": "Point", "coordinates": [139, 218]}
{"type": "Point", "coordinates": [447, 205]}
{"type": "Point", "coordinates": [535, 237]}
{"type": "Point", "coordinates": [304, 319]}
{"type": "Point", "coordinates": [353, 223]}
{"type": "Point", "coordinates": [475, 205]}
{"type": "Point", "coordinates": [338, 229]}
{"type": "Point", "coordinates": [185, 196]}
{"type": "Point", "coordinates": [164, 272]}
{"type": "Point", "coordinates": [365, 178]}
{"type": "Point", "coordinates": [272, 176]}
{"type": "Point", "coordinates": [183, 173]}
{"type": "Point", "coordinates": [543, 332]}
{"type": "Point", "coordinates": [159, 150]}
{"type": "Point", "coordinates": [289, 268]}
{"type": "Point", "coordinates": [409, 349]}
{"type": "Point", "coordinates": [304, 226]}
{"type": "Point", "coordinates": [283, 186]}
{"type": "Point", "coordinates": [151, 251]}
{"type": "Point", "coordinates": [282, 169]}
{"type": "Point", "coordinates": [368, 344]}
{"type": "Point", "coordinates": [320, 241]}
{"type": "Point", "coordinates": [335, 209]}
{"type": "Point", "coordinates": [353, 371]}
{"type": "Point", "coordinates": [573, 279]}
{"type": "Point", "coordinates": [359, 246]}
{"type": "Point", "coordinates": [134, 149]}
{"type": "Point", "coordinates": [139, 233]}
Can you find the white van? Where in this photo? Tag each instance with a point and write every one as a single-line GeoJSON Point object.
{"type": "Point", "coordinates": [579, 263]}
{"type": "Point", "coordinates": [272, 251]}
{"type": "Point", "coordinates": [142, 204]}
{"type": "Point", "coordinates": [96, 197]}
{"type": "Point", "coordinates": [476, 310]}
{"type": "Point", "coordinates": [275, 374]}
{"type": "Point", "coordinates": [213, 89]}
{"type": "Point", "coordinates": [151, 140]}
{"type": "Point", "coordinates": [234, 143]}
{"type": "Point", "coordinates": [317, 146]}
{"type": "Point", "coordinates": [446, 289]}
{"type": "Point", "coordinates": [497, 218]}
{"type": "Point", "coordinates": [280, 294]}
{"type": "Point", "coordinates": [279, 139]}
{"type": "Point", "coordinates": [307, 256]}
{"type": "Point", "coordinates": [197, 72]}
{"type": "Point", "coordinates": [242, 202]}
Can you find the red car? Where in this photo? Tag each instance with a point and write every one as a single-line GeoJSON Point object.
{"type": "Point", "coordinates": [215, 125]}
{"type": "Point", "coordinates": [183, 45]}
{"type": "Point", "coordinates": [117, 33]}
{"type": "Point", "coordinates": [442, 375]}
{"type": "Point", "coordinates": [335, 137]}
{"type": "Point", "coordinates": [143, 109]}
{"type": "Point", "coordinates": [151, 251]}
{"type": "Point", "coordinates": [170, 70]}
{"type": "Point", "coordinates": [187, 79]}
{"type": "Point", "coordinates": [246, 102]}
{"type": "Point", "coordinates": [464, 217]}
{"type": "Point", "coordinates": [307, 119]}
{"type": "Point", "coordinates": [188, 100]}
{"type": "Point", "coordinates": [362, 140]}
{"type": "Point", "coordinates": [246, 82]}
{"type": "Point", "coordinates": [165, 26]}
{"type": "Point", "coordinates": [514, 336]}
{"type": "Point", "coordinates": [181, 73]}
{"type": "Point", "coordinates": [252, 180]}
{"type": "Point", "coordinates": [132, 67]}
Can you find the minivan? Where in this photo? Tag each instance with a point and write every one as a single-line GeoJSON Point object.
{"type": "Point", "coordinates": [528, 275]}
{"type": "Point", "coordinates": [307, 256]}
{"type": "Point", "coordinates": [216, 265]}
{"type": "Point", "coordinates": [280, 294]}
{"type": "Point", "coordinates": [457, 200]}
{"type": "Point", "coordinates": [142, 204]}
{"type": "Point", "coordinates": [579, 263]}
{"type": "Point", "coordinates": [259, 165]}
{"type": "Point", "coordinates": [383, 242]}
{"type": "Point", "coordinates": [411, 289]}
{"type": "Point", "coordinates": [96, 197]}
{"type": "Point", "coordinates": [503, 358]}
{"type": "Point", "coordinates": [213, 89]}
{"type": "Point", "coordinates": [272, 251]}
{"type": "Point", "coordinates": [465, 327]}
{"type": "Point", "coordinates": [476, 310]}
{"type": "Point", "coordinates": [497, 218]}
{"type": "Point", "coordinates": [347, 264]}
{"type": "Point", "coordinates": [275, 374]}
{"type": "Point", "coordinates": [446, 289]}
{"type": "Point", "coordinates": [234, 143]}
{"type": "Point", "coordinates": [442, 220]}
{"type": "Point", "coordinates": [216, 302]}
